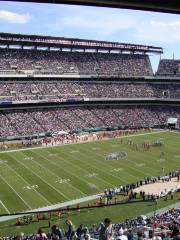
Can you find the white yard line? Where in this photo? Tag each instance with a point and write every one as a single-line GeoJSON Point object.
{"type": "Point", "coordinates": [16, 192]}
{"type": "Point", "coordinates": [27, 183]}
{"type": "Point", "coordinates": [33, 148]}
{"type": "Point", "coordinates": [101, 170]}
{"type": "Point", "coordinates": [4, 207]}
{"type": "Point", "coordinates": [42, 179]}
{"type": "Point", "coordinates": [83, 170]}
{"type": "Point", "coordinates": [105, 164]}
{"type": "Point", "coordinates": [130, 166]}
{"type": "Point", "coordinates": [74, 166]}
{"type": "Point", "coordinates": [54, 173]}
{"type": "Point", "coordinates": [127, 173]}
{"type": "Point", "coordinates": [112, 167]}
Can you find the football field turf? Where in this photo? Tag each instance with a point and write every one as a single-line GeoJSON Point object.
{"type": "Point", "coordinates": [39, 177]}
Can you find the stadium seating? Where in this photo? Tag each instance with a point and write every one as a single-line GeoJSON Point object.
{"type": "Point", "coordinates": [164, 225]}
{"type": "Point", "coordinates": [168, 67]}
{"type": "Point", "coordinates": [28, 122]}
{"type": "Point", "coordinates": [75, 62]}
{"type": "Point", "coordinates": [32, 90]}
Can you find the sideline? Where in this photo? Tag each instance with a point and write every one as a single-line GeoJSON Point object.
{"type": "Point", "coordinates": [33, 148]}
{"type": "Point", "coordinates": [55, 206]}
{"type": "Point", "coordinates": [150, 214]}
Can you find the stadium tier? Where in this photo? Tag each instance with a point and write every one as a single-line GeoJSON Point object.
{"type": "Point", "coordinates": [89, 63]}
{"type": "Point", "coordinates": [29, 122]}
{"type": "Point", "coordinates": [169, 67]}
{"type": "Point", "coordinates": [36, 90]}
{"type": "Point", "coordinates": [55, 55]}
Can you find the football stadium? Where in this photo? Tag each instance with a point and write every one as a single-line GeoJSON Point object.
{"type": "Point", "coordinates": [89, 140]}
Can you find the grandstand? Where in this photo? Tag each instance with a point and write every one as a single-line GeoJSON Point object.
{"type": "Point", "coordinates": [88, 90]}
{"type": "Point", "coordinates": [54, 73]}
{"type": "Point", "coordinates": [32, 122]}
{"type": "Point", "coordinates": [169, 67]}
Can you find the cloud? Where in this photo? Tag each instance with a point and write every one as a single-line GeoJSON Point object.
{"type": "Point", "coordinates": [172, 25]}
{"type": "Point", "coordinates": [11, 17]}
{"type": "Point", "coordinates": [96, 21]}
{"type": "Point", "coordinates": [158, 31]}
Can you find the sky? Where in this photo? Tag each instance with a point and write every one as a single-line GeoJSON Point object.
{"type": "Point", "coordinates": [109, 24]}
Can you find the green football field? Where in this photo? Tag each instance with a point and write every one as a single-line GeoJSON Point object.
{"type": "Point", "coordinates": [39, 177]}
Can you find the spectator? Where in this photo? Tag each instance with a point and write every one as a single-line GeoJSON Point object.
{"type": "Point", "coordinates": [176, 233]}
{"type": "Point", "coordinates": [71, 230]}
{"type": "Point", "coordinates": [56, 233]}
{"type": "Point", "coordinates": [41, 235]}
{"type": "Point", "coordinates": [105, 231]}
{"type": "Point", "coordinates": [121, 235]}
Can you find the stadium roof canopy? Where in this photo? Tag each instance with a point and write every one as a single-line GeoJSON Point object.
{"type": "Point", "coordinates": [170, 6]}
{"type": "Point", "coordinates": [9, 39]}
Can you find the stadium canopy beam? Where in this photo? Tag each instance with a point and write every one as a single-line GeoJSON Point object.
{"type": "Point", "coordinates": [22, 40]}
{"type": "Point", "coordinates": [172, 6]}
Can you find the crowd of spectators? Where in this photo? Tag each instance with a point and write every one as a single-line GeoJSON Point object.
{"type": "Point", "coordinates": [84, 63]}
{"type": "Point", "coordinates": [156, 227]}
{"type": "Point", "coordinates": [168, 67]}
{"type": "Point", "coordinates": [19, 91]}
{"type": "Point", "coordinates": [160, 226]}
{"type": "Point", "coordinates": [29, 122]}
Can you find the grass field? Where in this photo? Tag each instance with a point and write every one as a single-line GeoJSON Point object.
{"type": "Point", "coordinates": [40, 177]}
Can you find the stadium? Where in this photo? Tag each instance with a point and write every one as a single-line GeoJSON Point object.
{"type": "Point", "coordinates": [88, 133]}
